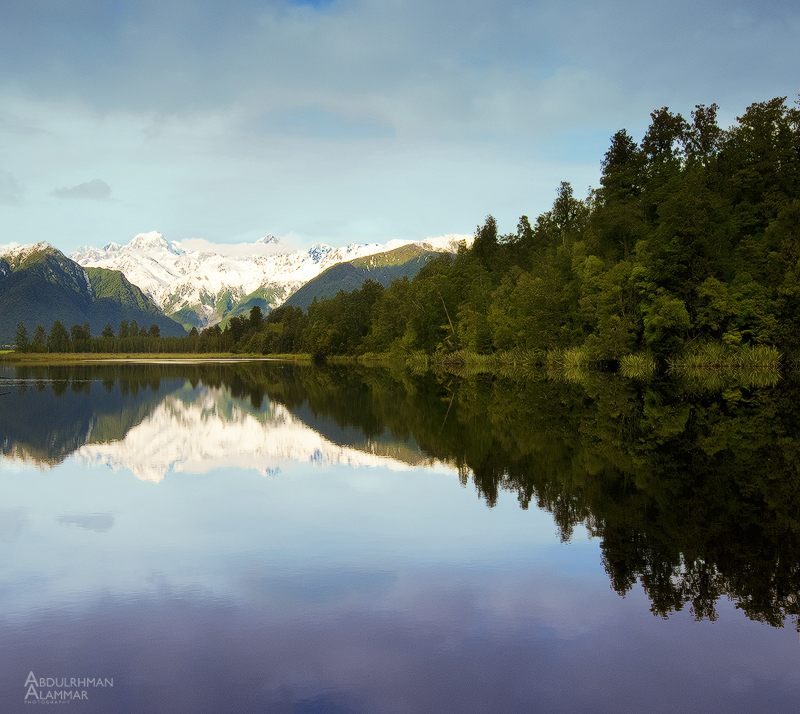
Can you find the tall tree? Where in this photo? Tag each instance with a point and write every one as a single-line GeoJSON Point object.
{"type": "Point", "coordinates": [39, 339]}
{"type": "Point", "coordinates": [484, 246]}
{"type": "Point", "coordinates": [21, 338]}
{"type": "Point", "coordinates": [58, 341]}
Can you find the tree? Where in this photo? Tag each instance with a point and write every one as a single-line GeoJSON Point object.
{"type": "Point", "coordinates": [758, 161]}
{"type": "Point", "coordinates": [485, 244]}
{"type": "Point", "coordinates": [256, 318]}
{"type": "Point", "coordinates": [108, 331]}
{"type": "Point", "coordinates": [21, 338]}
{"type": "Point", "coordinates": [664, 136]}
{"type": "Point", "coordinates": [236, 328]}
{"type": "Point", "coordinates": [39, 339]}
{"type": "Point", "coordinates": [665, 324]}
{"type": "Point", "coordinates": [702, 136]}
{"type": "Point", "coordinates": [154, 331]}
{"type": "Point", "coordinates": [80, 334]}
{"type": "Point", "coordinates": [58, 341]}
{"type": "Point", "coordinates": [124, 330]}
{"type": "Point", "coordinates": [567, 212]}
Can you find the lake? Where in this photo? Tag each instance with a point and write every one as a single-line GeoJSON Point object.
{"type": "Point", "coordinates": [264, 537]}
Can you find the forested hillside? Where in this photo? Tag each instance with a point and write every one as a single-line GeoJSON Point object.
{"type": "Point", "coordinates": [693, 236]}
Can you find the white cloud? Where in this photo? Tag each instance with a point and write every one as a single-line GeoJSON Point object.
{"type": "Point", "coordinates": [94, 190]}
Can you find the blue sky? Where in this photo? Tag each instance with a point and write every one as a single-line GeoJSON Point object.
{"type": "Point", "coordinates": [347, 121]}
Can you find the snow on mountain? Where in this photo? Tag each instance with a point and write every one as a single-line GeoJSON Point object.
{"type": "Point", "coordinates": [195, 275]}
{"type": "Point", "coordinates": [19, 252]}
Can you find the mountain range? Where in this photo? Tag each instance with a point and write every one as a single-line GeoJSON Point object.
{"type": "Point", "coordinates": [154, 281]}
{"type": "Point", "coordinates": [405, 261]}
{"type": "Point", "coordinates": [202, 287]}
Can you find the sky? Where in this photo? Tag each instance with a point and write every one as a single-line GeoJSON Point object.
{"type": "Point", "coordinates": [347, 121]}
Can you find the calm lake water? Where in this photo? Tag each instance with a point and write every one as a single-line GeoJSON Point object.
{"type": "Point", "coordinates": [258, 537]}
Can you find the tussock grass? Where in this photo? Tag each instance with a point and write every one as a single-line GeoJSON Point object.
{"type": "Point", "coordinates": [721, 357]}
{"type": "Point", "coordinates": [571, 364]}
{"type": "Point", "coordinates": [639, 366]}
{"type": "Point", "coordinates": [716, 366]}
{"type": "Point", "coordinates": [713, 366]}
{"type": "Point", "coordinates": [418, 362]}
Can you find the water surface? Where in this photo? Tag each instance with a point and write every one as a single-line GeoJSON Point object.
{"type": "Point", "coordinates": [262, 537]}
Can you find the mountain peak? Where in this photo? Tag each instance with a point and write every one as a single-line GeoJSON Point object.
{"type": "Point", "coordinates": [149, 241]}
{"type": "Point", "coordinates": [17, 254]}
{"type": "Point", "coordinates": [269, 239]}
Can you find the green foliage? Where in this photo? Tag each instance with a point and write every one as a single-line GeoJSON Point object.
{"type": "Point", "coordinates": [340, 324]}
{"type": "Point", "coordinates": [666, 323]}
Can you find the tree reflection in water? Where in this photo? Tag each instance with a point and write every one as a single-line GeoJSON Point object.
{"type": "Point", "coordinates": [693, 489]}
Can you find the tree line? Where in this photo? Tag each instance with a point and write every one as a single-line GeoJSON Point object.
{"type": "Point", "coordinates": [693, 237]}
{"type": "Point", "coordinates": [130, 337]}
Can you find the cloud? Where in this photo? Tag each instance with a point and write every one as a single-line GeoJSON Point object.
{"type": "Point", "coordinates": [233, 249]}
{"type": "Point", "coordinates": [352, 120]}
{"type": "Point", "coordinates": [95, 190]}
{"type": "Point", "coordinates": [415, 63]}
{"type": "Point", "coordinates": [10, 190]}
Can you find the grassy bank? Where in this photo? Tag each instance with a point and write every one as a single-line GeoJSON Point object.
{"type": "Point", "coordinates": [54, 358]}
{"type": "Point", "coordinates": [710, 364]}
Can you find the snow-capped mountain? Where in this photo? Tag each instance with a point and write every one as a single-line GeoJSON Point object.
{"type": "Point", "coordinates": [196, 278]}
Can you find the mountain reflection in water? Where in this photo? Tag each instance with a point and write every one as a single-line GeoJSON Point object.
{"type": "Point", "coordinates": [693, 494]}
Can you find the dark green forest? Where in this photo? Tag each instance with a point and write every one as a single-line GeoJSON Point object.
{"type": "Point", "coordinates": [692, 238]}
